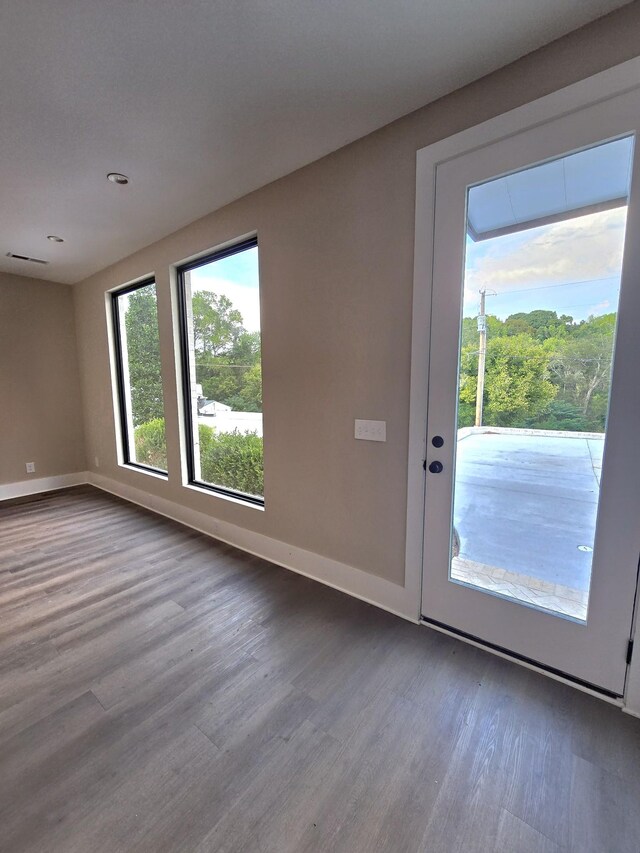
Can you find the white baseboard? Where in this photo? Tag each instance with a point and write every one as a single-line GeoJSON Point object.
{"type": "Point", "coordinates": [348, 579]}
{"type": "Point", "coordinates": [42, 484]}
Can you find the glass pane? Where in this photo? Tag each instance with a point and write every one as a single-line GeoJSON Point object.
{"type": "Point", "coordinates": [142, 393]}
{"type": "Point", "coordinates": [222, 303]}
{"type": "Point", "coordinates": [541, 282]}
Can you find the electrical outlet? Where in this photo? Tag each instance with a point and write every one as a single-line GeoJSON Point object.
{"type": "Point", "coordinates": [97, 462]}
{"type": "Point", "coordinates": [371, 430]}
{"type": "Point", "coordinates": [31, 467]}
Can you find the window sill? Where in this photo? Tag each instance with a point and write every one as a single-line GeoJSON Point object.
{"type": "Point", "coordinates": [140, 469]}
{"type": "Point", "coordinates": [202, 490]}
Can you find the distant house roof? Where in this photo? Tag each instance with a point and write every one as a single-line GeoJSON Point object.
{"type": "Point", "coordinates": [211, 407]}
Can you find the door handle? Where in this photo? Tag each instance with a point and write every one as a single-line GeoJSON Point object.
{"type": "Point", "coordinates": [436, 467]}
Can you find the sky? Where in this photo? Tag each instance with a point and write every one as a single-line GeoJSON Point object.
{"type": "Point", "coordinates": [572, 267]}
{"type": "Point", "coordinates": [237, 278]}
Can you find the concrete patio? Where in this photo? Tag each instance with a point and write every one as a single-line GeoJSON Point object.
{"type": "Point", "coordinates": [525, 510]}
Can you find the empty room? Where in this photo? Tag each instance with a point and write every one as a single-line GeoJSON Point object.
{"type": "Point", "coordinates": [319, 504]}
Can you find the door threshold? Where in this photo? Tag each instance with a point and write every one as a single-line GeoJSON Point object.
{"type": "Point", "coordinates": [584, 686]}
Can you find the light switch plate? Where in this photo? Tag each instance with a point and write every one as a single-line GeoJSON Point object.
{"type": "Point", "coordinates": [371, 430]}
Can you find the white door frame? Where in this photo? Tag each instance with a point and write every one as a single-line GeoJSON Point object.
{"type": "Point", "coordinates": [606, 84]}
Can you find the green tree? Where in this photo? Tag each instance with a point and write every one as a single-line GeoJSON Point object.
{"type": "Point", "coordinates": [540, 324]}
{"type": "Point", "coordinates": [143, 349]}
{"type": "Point", "coordinates": [226, 353]}
{"type": "Point", "coordinates": [518, 324]}
{"type": "Point", "coordinates": [581, 368]}
{"type": "Point", "coordinates": [246, 349]}
{"type": "Point", "coordinates": [250, 395]}
{"type": "Point", "coordinates": [549, 372]}
{"type": "Point", "coordinates": [516, 380]}
{"type": "Point", "coordinates": [217, 325]}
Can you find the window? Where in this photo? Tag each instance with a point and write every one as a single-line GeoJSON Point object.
{"type": "Point", "coordinates": [139, 377]}
{"type": "Point", "coordinates": [222, 377]}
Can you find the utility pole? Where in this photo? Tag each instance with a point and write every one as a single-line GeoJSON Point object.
{"type": "Point", "coordinates": [482, 356]}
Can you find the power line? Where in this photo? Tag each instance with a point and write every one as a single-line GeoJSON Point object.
{"type": "Point", "coordinates": [566, 358]}
{"type": "Point", "coordinates": [212, 366]}
{"type": "Point", "coordinates": [581, 305]}
{"type": "Point", "coordinates": [563, 284]}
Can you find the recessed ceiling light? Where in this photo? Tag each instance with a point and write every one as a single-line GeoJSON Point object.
{"type": "Point", "coordinates": [55, 239]}
{"type": "Point", "coordinates": [117, 178]}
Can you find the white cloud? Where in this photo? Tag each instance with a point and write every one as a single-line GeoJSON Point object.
{"type": "Point", "coordinates": [581, 249]}
{"type": "Point", "coordinates": [601, 306]}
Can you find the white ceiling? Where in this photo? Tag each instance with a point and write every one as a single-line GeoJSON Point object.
{"type": "Point", "coordinates": [597, 177]}
{"type": "Point", "coordinates": [201, 101]}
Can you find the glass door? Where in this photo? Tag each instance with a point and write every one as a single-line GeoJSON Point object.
{"type": "Point", "coordinates": [530, 544]}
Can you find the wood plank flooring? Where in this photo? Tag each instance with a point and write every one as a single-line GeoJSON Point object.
{"type": "Point", "coordinates": [160, 691]}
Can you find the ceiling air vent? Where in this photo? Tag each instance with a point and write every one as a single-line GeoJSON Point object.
{"type": "Point", "coordinates": [25, 258]}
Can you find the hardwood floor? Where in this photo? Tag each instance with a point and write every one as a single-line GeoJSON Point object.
{"type": "Point", "coordinates": [160, 691]}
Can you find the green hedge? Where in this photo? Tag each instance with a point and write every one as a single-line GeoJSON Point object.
{"type": "Point", "coordinates": [232, 459]}
{"type": "Point", "coordinates": [151, 444]}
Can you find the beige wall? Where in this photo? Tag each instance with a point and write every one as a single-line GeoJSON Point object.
{"type": "Point", "coordinates": [40, 411]}
{"type": "Point", "coordinates": [336, 259]}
